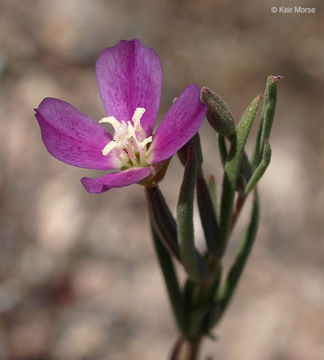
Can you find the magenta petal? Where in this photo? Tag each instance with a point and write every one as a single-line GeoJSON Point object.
{"type": "Point", "coordinates": [72, 137]}
{"type": "Point", "coordinates": [115, 180]}
{"type": "Point", "coordinates": [129, 75]}
{"type": "Point", "coordinates": [179, 125]}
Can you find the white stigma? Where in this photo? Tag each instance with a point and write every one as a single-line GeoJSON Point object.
{"type": "Point", "coordinates": [129, 141]}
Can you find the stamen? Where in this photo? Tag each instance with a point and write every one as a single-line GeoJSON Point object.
{"type": "Point", "coordinates": [147, 141]}
{"type": "Point", "coordinates": [131, 130]}
{"type": "Point", "coordinates": [111, 120]}
{"type": "Point", "coordinates": [129, 140]}
{"type": "Point", "coordinates": [137, 119]}
{"type": "Point", "coordinates": [110, 146]}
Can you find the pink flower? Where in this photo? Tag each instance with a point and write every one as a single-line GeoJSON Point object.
{"type": "Point", "coordinates": [129, 77]}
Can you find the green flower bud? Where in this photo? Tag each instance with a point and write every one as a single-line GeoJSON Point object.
{"type": "Point", "coordinates": [218, 112]}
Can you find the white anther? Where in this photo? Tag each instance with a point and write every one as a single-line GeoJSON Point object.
{"type": "Point", "coordinates": [137, 119]}
{"type": "Point", "coordinates": [109, 147]}
{"type": "Point", "coordinates": [129, 141]}
{"type": "Point", "coordinates": [111, 120]}
{"type": "Point", "coordinates": [147, 141]}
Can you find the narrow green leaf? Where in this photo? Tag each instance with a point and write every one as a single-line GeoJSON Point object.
{"type": "Point", "coordinates": [267, 116]}
{"type": "Point", "coordinates": [205, 204]}
{"type": "Point", "coordinates": [245, 169]}
{"type": "Point", "coordinates": [270, 101]}
{"type": "Point", "coordinates": [222, 149]}
{"type": "Point", "coordinates": [261, 168]}
{"type": "Point", "coordinates": [232, 168]}
{"type": "Point", "coordinates": [188, 301]}
{"type": "Point", "coordinates": [204, 301]}
{"type": "Point", "coordinates": [195, 143]}
{"type": "Point", "coordinates": [183, 152]}
{"type": "Point", "coordinates": [238, 141]}
{"type": "Point", "coordinates": [211, 183]}
{"type": "Point", "coordinates": [171, 281]}
{"type": "Point", "coordinates": [215, 282]}
{"type": "Point", "coordinates": [226, 208]}
{"type": "Point", "coordinates": [236, 270]}
{"type": "Point", "coordinates": [208, 217]}
{"type": "Point", "coordinates": [190, 258]}
{"type": "Point", "coordinates": [197, 317]}
{"type": "Point", "coordinates": [162, 219]}
{"type": "Point", "coordinates": [213, 289]}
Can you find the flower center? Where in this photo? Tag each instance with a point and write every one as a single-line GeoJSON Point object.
{"type": "Point", "coordinates": [129, 142]}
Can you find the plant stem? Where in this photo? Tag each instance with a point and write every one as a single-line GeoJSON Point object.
{"type": "Point", "coordinates": [185, 349]}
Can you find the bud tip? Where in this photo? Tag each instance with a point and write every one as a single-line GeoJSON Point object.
{"type": "Point", "coordinates": [275, 78]}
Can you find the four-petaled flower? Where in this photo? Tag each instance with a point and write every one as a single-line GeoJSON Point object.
{"type": "Point", "coordinates": [129, 77]}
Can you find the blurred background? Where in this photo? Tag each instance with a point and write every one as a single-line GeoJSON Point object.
{"type": "Point", "coordinates": [78, 275]}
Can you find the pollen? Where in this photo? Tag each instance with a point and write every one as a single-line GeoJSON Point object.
{"type": "Point", "coordinates": [130, 143]}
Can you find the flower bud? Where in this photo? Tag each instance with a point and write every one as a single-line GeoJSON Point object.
{"type": "Point", "coordinates": [218, 112]}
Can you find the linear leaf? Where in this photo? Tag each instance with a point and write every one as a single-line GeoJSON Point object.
{"type": "Point", "coordinates": [232, 168]}
{"type": "Point", "coordinates": [190, 258]}
{"type": "Point", "coordinates": [171, 280]}
{"type": "Point", "coordinates": [162, 219]}
{"type": "Point", "coordinates": [237, 268]}
{"type": "Point", "coordinates": [233, 162]}
{"type": "Point", "coordinates": [267, 116]}
{"type": "Point", "coordinates": [211, 183]}
{"type": "Point", "coordinates": [261, 168]}
{"type": "Point", "coordinates": [222, 148]}
{"type": "Point", "coordinates": [208, 217]}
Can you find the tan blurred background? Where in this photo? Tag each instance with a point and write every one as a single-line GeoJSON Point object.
{"type": "Point", "coordinates": [79, 278]}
